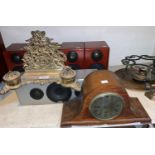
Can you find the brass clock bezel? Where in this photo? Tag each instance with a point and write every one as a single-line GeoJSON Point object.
{"type": "Point", "coordinates": [102, 95]}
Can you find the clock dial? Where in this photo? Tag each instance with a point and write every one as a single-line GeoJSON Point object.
{"type": "Point", "coordinates": [106, 106]}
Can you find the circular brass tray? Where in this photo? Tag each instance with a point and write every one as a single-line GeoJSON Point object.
{"type": "Point", "coordinates": [127, 81]}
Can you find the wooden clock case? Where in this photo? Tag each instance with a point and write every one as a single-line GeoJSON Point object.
{"type": "Point", "coordinates": [76, 112]}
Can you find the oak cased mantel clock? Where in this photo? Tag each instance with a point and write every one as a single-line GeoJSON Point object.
{"type": "Point", "coordinates": [103, 101]}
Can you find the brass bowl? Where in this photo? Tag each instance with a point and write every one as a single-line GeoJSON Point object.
{"type": "Point", "coordinates": [12, 78]}
{"type": "Point", "coordinates": [67, 75]}
{"type": "Point", "coordinates": [139, 72]}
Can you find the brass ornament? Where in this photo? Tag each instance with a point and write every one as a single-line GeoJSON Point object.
{"type": "Point", "coordinates": [12, 81]}
{"type": "Point", "coordinates": [12, 78]}
{"type": "Point", "coordinates": [43, 64]}
{"type": "Point", "coordinates": [67, 75]}
{"type": "Point", "coordinates": [42, 53]}
{"type": "Point", "coordinates": [139, 73]}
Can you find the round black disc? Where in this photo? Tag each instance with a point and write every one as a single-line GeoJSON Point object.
{"type": "Point", "coordinates": [72, 56]}
{"type": "Point", "coordinates": [36, 93]}
{"type": "Point", "coordinates": [56, 92]}
{"type": "Point", "coordinates": [16, 58]}
{"type": "Point", "coordinates": [97, 66]}
{"type": "Point", "coordinates": [77, 93]}
{"type": "Point", "coordinates": [97, 55]}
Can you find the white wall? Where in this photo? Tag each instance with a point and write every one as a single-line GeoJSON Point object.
{"type": "Point", "coordinates": [123, 41]}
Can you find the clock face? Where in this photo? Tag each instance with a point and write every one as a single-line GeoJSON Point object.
{"type": "Point", "coordinates": [106, 106]}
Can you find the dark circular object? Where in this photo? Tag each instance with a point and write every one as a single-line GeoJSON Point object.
{"type": "Point", "coordinates": [77, 93]}
{"type": "Point", "coordinates": [97, 55]}
{"type": "Point", "coordinates": [74, 66]}
{"type": "Point", "coordinates": [125, 62]}
{"type": "Point", "coordinates": [97, 66]}
{"type": "Point", "coordinates": [106, 106]}
{"type": "Point", "coordinates": [56, 92]}
{"type": "Point", "coordinates": [17, 59]}
{"type": "Point", "coordinates": [72, 56]}
{"type": "Point", "coordinates": [18, 68]}
{"type": "Point", "coordinates": [36, 93]}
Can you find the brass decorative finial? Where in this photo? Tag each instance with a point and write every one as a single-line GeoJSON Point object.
{"type": "Point", "coordinates": [42, 53]}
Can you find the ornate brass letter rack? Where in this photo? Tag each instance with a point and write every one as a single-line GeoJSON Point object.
{"type": "Point", "coordinates": [43, 63]}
